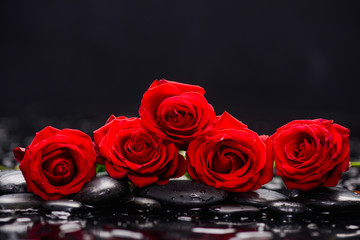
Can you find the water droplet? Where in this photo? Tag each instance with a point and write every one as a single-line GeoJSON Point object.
{"type": "Point", "coordinates": [197, 199]}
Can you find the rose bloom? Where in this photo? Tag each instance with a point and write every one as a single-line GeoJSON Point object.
{"type": "Point", "coordinates": [231, 157]}
{"type": "Point", "coordinates": [176, 111]}
{"type": "Point", "coordinates": [57, 163]}
{"type": "Point", "coordinates": [130, 150]}
{"type": "Point", "coordinates": [311, 153]}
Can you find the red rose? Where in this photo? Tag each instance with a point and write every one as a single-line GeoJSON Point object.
{"type": "Point", "coordinates": [130, 150]}
{"type": "Point", "coordinates": [176, 111]}
{"type": "Point", "coordinates": [57, 162]}
{"type": "Point", "coordinates": [311, 153]}
{"type": "Point", "coordinates": [231, 157]}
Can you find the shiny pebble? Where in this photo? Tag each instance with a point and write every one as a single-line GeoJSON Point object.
{"type": "Point", "coordinates": [258, 198]}
{"type": "Point", "coordinates": [12, 181]}
{"type": "Point", "coordinates": [184, 193]}
{"type": "Point", "coordinates": [20, 201]}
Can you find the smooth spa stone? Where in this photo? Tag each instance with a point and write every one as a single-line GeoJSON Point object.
{"type": "Point", "coordinates": [233, 210]}
{"type": "Point", "coordinates": [12, 181]}
{"type": "Point", "coordinates": [287, 208]}
{"type": "Point", "coordinates": [258, 198]}
{"type": "Point", "coordinates": [184, 193]}
{"type": "Point", "coordinates": [352, 184]}
{"type": "Point", "coordinates": [330, 199]}
{"type": "Point", "coordinates": [143, 205]}
{"type": "Point", "coordinates": [103, 191]}
{"type": "Point", "coordinates": [20, 202]}
{"type": "Point", "coordinates": [62, 205]}
{"type": "Point", "coordinates": [275, 184]}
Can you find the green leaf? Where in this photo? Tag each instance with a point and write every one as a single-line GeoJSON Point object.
{"type": "Point", "coordinates": [100, 168]}
{"type": "Point", "coordinates": [187, 175]}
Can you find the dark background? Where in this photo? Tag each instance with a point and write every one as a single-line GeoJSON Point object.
{"type": "Point", "coordinates": [265, 62]}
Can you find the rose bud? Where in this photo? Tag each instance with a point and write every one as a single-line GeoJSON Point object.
{"type": "Point", "coordinates": [57, 163]}
{"type": "Point", "coordinates": [176, 111]}
{"type": "Point", "coordinates": [131, 151]}
{"type": "Point", "coordinates": [231, 157]}
{"type": "Point", "coordinates": [311, 153]}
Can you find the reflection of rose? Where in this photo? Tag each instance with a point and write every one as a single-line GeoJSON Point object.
{"type": "Point", "coordinates": [311, 153]}
{"type": "Point", "coordinates": [176, 111]}
{"type": "Point", "coordinates": [231, 157]}
{"type": "Point", "coordinates": [40, 231]}
{"type": "Point", "coordinates": [130, 150]}
{"type": "Point", "coordinates": [57, 162]}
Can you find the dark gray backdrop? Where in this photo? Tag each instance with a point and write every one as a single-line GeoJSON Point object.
{"type": "Point", "coordinates": [266, 62]}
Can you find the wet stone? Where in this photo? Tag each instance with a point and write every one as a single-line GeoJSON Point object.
{"type": "Point", "coordinates": [258, 198]}
{"type": "Point", "coordinates": [103, 191]}
{"type": "Point", "coordinates": [254, 235]}
{"type": "Point", "coordinates": [330, 199]}
{"type": "Point", "coordinates": [284, 208]}
{"type": "Point", "coordinates": [353, 172]}
{"type": "Point", "coordinates": [143, 205]}
{"type": "Point", "coordinates": [12, 181]}
{"type": "Point", "coordinates": [352, 184]}
{"type": "Point", "coordinates": [275, 184]}
{"type": "Point", "coordinates": [99, 174]}
{"type": "Point", "coordinates": [7, 217]}
{"type": "Point", "coordinates": [235, 211]}
{"type": "Point", "coordinates": [184, 194]}
{"type": "Point", "coordinates": [20, 202]}
{"type": "Point", "coordinates": [16, 230]}
{"type": "Point", "coordinates": [62, 205]}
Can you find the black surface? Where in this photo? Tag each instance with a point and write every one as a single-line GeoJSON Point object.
{"type": "Point", "coordinates": [267, 63]}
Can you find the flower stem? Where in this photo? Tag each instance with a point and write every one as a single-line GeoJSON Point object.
{"type": "Point", "coordinates": [355, 164]}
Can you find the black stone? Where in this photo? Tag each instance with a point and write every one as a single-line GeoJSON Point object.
{"type": "Point", "coordinates": [184, 193]}
{"type": "Point", "coordinates": [99, 174]}
{"type": "Point", "coordinates": [235, 211]}
{"type": "Point", "coordinates": [7, 217]}
{"type": "Point", "coordinates": [254, 235]}
{"type": "Point", "coordinates": [285, 208]}
{"type": "Point", "coordinates": [20, 201]}
{"type": "Point", "coordinates": [352, 184]}
{"type": "Point", "coordinates": [330, 199]}
{"type": "Point", "coordinates": [275, 184]}
{"type": "Point", "coordinates": [102, 191]}
{"type": "Point", "coordinates": [12, 181]}
{"type": "Point", "coordinates": [258, 198]}
{"type": "Point", "coordinates": [62, 205]}
{"type": "Point", "coordinates": [141, 205]}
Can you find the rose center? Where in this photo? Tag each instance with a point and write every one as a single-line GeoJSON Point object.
{"type": "Point", "coordinates": [178, 118]}
{"type": "Point", "coordinates": [174, 118]}
{"type": "Point", "coordinates": [226, 162]}
{"type": "Point", "coordinates": [137, 148]}
{"type": "Point", "coordinates": [61, 169]}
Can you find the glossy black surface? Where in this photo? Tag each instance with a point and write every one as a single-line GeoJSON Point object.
{"type": "Point", "coordinates": [12, 181]}
{"type": "Point", "coordinates": [259, 198]}
{"type": "Point", "coordinates": [103, 190]}
{"type": "Point", "coordinates": [184, 193]}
